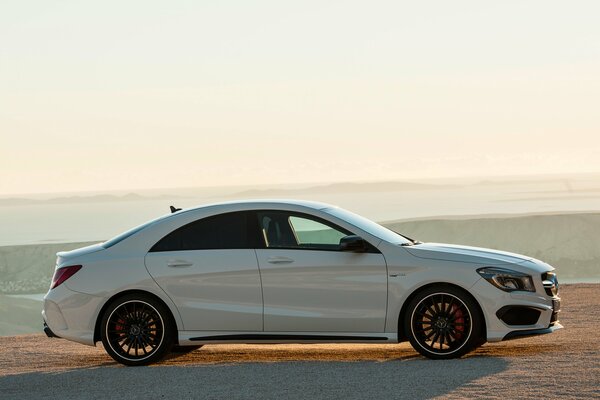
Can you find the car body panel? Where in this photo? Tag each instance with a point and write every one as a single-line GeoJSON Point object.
{"type": "Point", "coordinates": [349, 294]}
{"type": "Point", "coordinates": [104, 275]}
{"type": "Point", "coordinates": [220, 290]}
{"type": "Point", "coordinates": [64, 257]}
{"type": "Point", "coordinates": [408, 274]}
{"type": "Point", "coordinates": [450, 252]}
{"type": "Point", "coordinates": [323, 291]}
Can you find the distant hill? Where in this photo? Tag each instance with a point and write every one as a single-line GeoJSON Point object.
{"type": "Point", "coordinates": [29, 268]}
{"type": "Point", "coordinates": [568, 242]}
{"type": "Point", "coordinates": [100, 198]}
{"type": "Point", "coordinates": [347, 187]}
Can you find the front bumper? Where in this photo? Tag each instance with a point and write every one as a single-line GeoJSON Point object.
{"type": "Point", "coordinates": [499, 327]}
{"type": "Point", "coordinates": [532, 332]}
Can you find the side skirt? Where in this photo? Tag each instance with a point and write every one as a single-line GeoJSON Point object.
{"type": "Point", "coordinates": [194, 338]}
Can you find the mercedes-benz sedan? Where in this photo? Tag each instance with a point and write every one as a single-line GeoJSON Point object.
{"type": "Point", "coordinates": [291, 272]}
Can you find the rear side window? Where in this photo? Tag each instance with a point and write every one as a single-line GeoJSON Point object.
{"type": "Point", "coordinates": [236, 230]}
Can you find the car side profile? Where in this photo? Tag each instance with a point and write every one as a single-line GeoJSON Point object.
{"type": "Point", "coordinates": [278, 271]}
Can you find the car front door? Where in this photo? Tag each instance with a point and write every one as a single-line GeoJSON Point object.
{"type": "Point", "coordinates": [309, 285]}
{"type": "Point", "coordinates": [209, 269]}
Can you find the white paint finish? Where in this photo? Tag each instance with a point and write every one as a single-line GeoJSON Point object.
{"type": "Point", "coordinates": [212, 289]}
{"type": "Point", "coordinates": [104, 275]}
{"type": "Point", "coordinates": [317, 292]}
{"type": "Point", "coordinates": [323, 291]}
{"type": "Point", "coordinates": [71, 315]}
{"type": "Point", "coordinates": [64, 257]}
{"type": "Point", "coordinates": [412, 273]}
{"type": "Point", "coordinates": [490, 302]}
{"type": "Point", "coordinates": [450, 252]}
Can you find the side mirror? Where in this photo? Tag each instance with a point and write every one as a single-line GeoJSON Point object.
{"type": "Point", "coordinates": [353, 243]}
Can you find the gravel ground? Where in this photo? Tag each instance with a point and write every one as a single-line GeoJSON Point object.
{"type": "Point", "coordinates": [565, 364]}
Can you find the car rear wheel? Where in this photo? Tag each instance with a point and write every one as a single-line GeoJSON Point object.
{"type": "Point", "coordinates": [443, 322]}
{"type": "Point", "coordinates": [137, 330]}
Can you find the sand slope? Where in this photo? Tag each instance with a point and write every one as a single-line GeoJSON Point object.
{"type": "Point", "coordinates": [19, 316]}
{"type": "Point", "coordinates": [29, 268]}
{"type": "Point", "coordinates": [565, 364]}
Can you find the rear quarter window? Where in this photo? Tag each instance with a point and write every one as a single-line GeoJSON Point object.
{"type": "Point", "coordinates": [236, 230]}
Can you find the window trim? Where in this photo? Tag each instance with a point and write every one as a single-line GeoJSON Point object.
{"type": "Point", "coordinates": [260, 241]}
{"type": "Point", "coordinates": [252, 227]}
{"type": "Point", "coordinates": [371, 248]}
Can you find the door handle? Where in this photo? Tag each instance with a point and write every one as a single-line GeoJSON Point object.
{"type": "Point", "coordinates": [279, 260]}
{"type": "Point", "coordinates": [179, 263]}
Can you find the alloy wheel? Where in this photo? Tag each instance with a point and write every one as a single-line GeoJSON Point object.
{"type": "Point", "coordinates": [441, 323]}
{"type": "Point", "coordinates": [134, 330]}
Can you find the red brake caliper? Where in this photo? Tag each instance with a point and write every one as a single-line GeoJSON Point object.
{"type": "Point", "coordinates": [458, 319]}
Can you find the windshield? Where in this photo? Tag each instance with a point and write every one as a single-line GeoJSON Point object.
{"type": "Point", "coordinates": [125, 235]}
{"type": "Point", "coordinates": [368, 226]}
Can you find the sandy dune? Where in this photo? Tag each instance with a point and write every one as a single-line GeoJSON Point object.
{"type": "Point", "coordinates": [565, 364]}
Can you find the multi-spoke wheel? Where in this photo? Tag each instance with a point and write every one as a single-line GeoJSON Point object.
{"type": "Point", "coordinates": [443, 322]}
{"type": "Point", "coordinates": [137, 330]}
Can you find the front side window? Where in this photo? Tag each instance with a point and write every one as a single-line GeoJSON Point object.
{"type": "Point", "coordinates": [236, 230]}
{"type": "Point", "coordinates": [290, 230]}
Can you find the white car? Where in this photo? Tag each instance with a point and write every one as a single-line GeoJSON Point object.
{"type": "Point", "coordinates": [291, 272]}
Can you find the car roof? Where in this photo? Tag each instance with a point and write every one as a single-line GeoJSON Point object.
{"type": "Point", "coordinates": [227, 206]}
{"type": "Point", "coordinates": [263, 203]}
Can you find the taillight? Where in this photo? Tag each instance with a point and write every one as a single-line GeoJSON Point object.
{"type": "Point", "coordinates": [62, 274]}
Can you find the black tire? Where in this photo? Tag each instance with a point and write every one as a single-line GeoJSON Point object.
{"type": "Point", "coordinates": [443, 322]}
{"type": "Point", "coordinates": [185, 349]}
{"type": "Point", "coordinates": [137, 329]}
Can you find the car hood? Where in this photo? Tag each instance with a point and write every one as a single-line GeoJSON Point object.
{"type": "Point", "coordinates": [467, 254]}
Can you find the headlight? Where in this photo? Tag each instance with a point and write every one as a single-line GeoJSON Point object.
{"type": "Point", "coordinates": [506, 279]}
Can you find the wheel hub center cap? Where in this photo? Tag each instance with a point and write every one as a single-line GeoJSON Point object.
{"type": "Point", "coordinates": [441, 323]}
{"type": "Point", "coordinates": [135, 330]}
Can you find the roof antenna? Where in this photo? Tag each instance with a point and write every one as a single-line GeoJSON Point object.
{"type": "Point", "coordinates": [173, 209]}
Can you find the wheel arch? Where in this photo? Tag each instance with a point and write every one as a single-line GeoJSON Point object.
{"type": "Point", "coordinates": [403, 310]}
{"type": "Point", "coordinates": [171, 317]}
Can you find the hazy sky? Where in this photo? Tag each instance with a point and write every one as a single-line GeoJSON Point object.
{"type": "Point", "coordinates": [98, 95]}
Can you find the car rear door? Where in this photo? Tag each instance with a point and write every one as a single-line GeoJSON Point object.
{"type": "Point", "coordinates": [209, 269]}
{"type": "Point", "coordinates": [309, 285]}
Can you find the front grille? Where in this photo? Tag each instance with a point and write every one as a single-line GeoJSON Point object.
{"type": "Point", "coordinates": [550, 283]}
{"type": "Point", "coordinates": [555, 311]}
{"type": "Point", "coordinates": [556, 305]}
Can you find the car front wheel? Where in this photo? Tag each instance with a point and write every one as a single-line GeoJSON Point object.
{"type": "Point", "coordinates": [443, 322]}
{"type": "Point", "coordinates": [137, 330]}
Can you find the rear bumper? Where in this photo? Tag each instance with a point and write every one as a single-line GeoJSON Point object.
{"type": "Point", "coordinates": [532, 332]}
{"type": "Point", "coordinates": [70, 315]}
{"type": "Point", "coordinates": [49, 332]}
